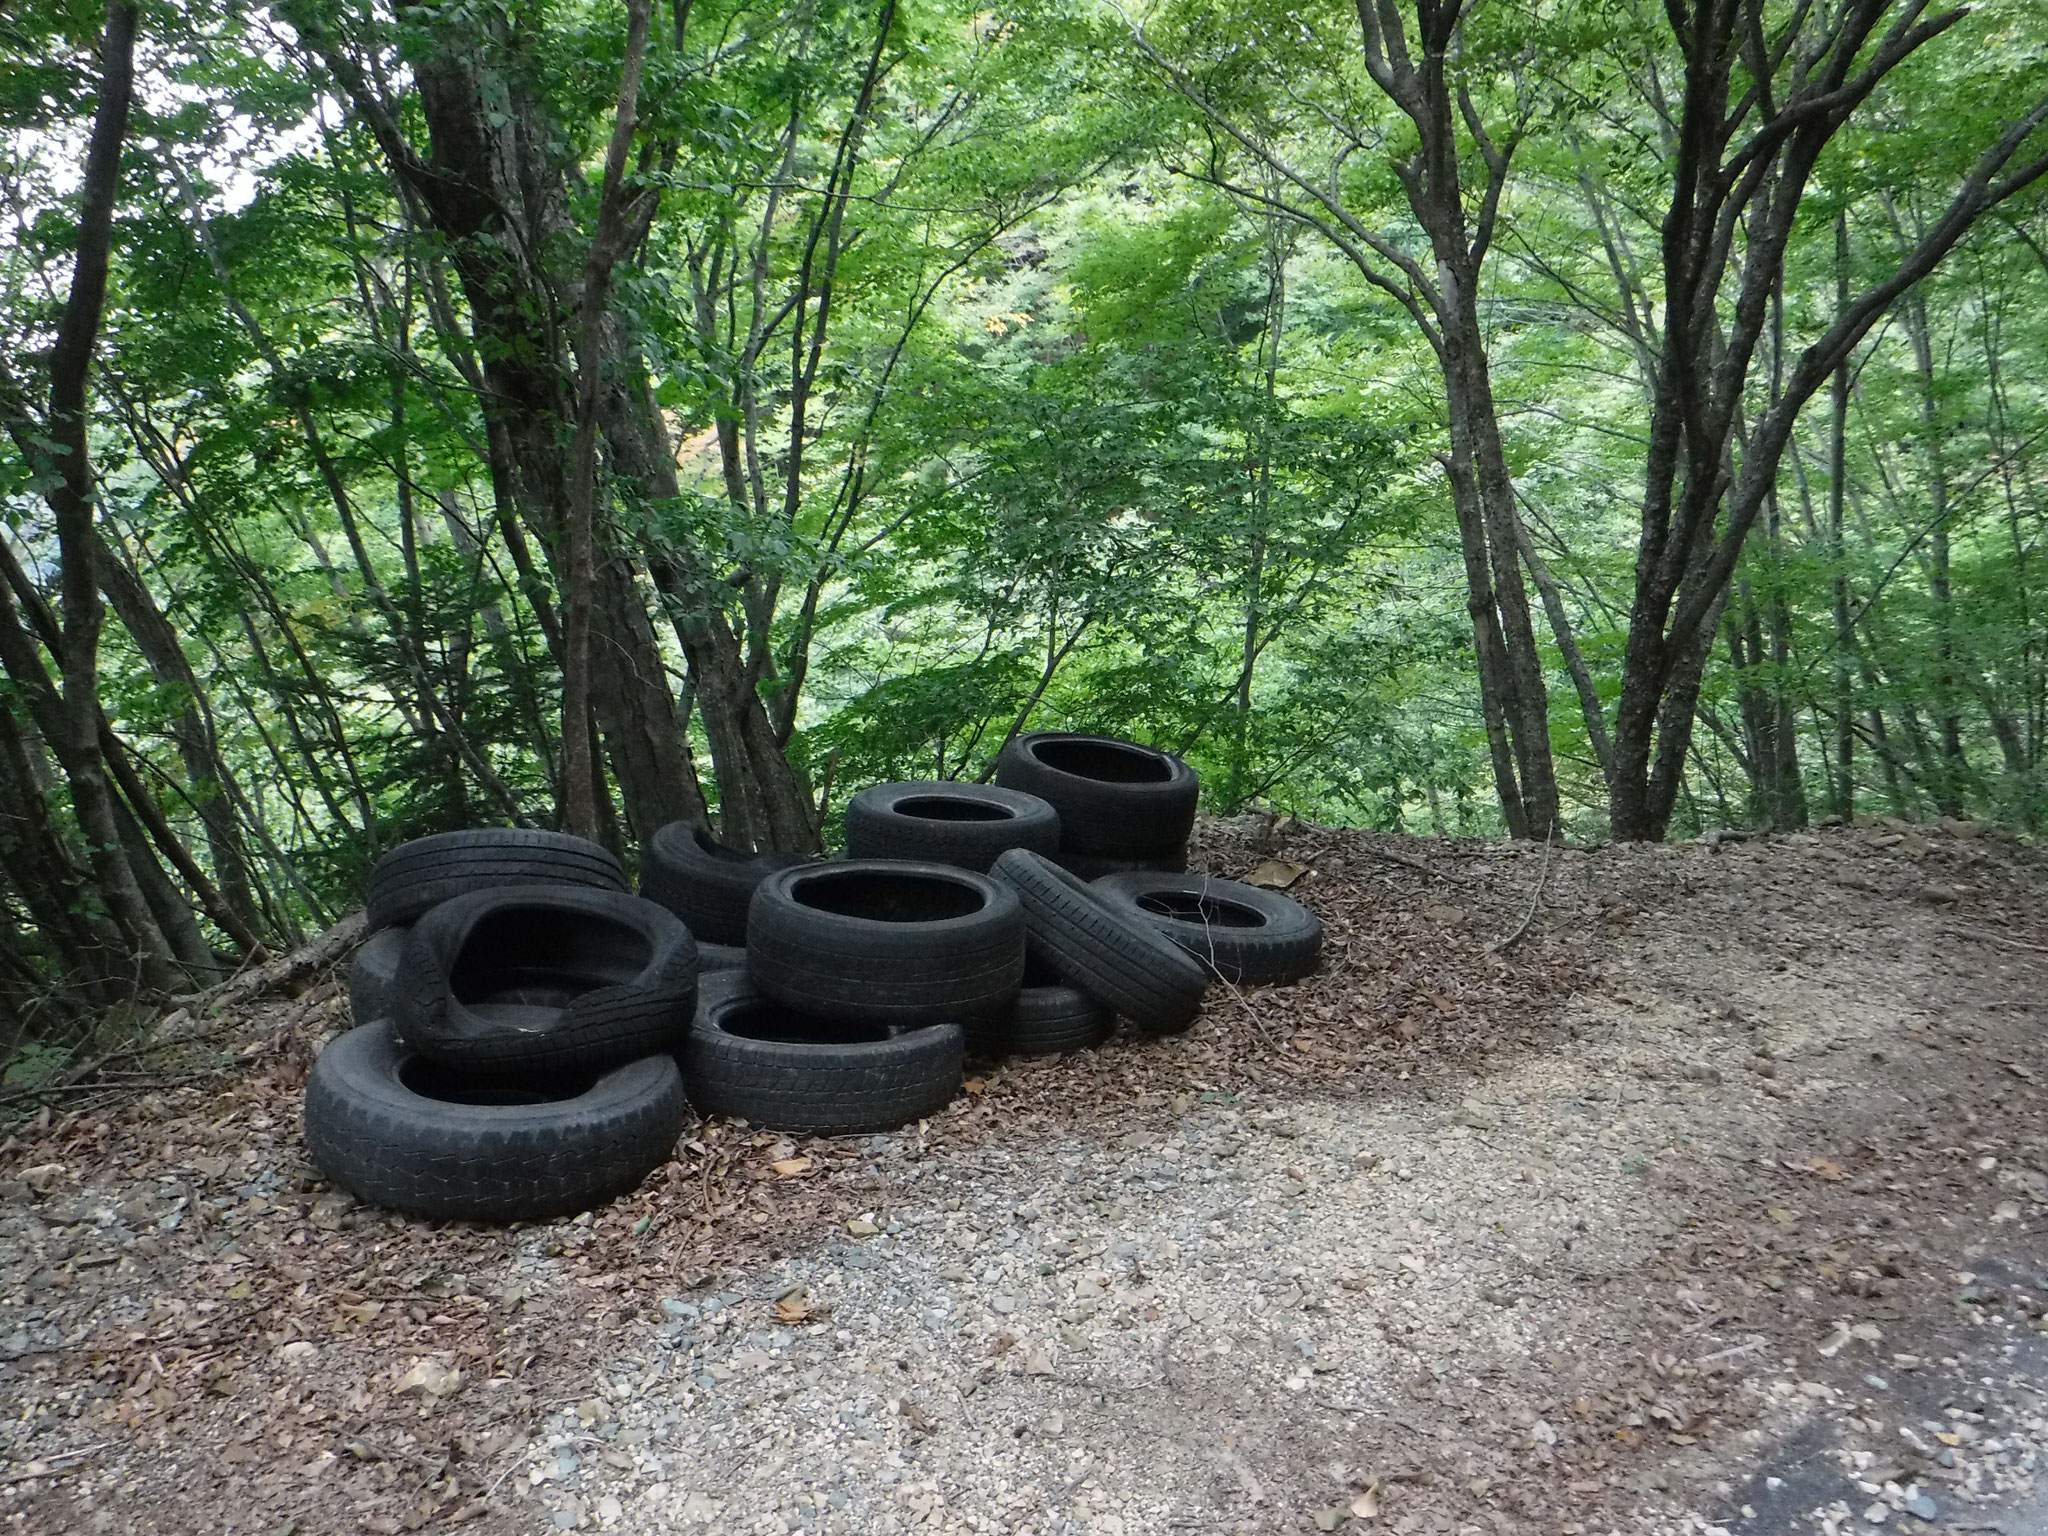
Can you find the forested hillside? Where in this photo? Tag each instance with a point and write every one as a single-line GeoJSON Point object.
{"type": "Point", "coordinates": [1527, 417]}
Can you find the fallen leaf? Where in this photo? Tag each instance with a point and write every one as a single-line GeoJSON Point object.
{"type": "Point", "coordinates": [790, 1167]}
{"type": "Point", "coordinates": [976, 1085]}
{"type": "Point", "coordinates": [1450, 917]}
{"type": "Point", "coordinates": [1367, 1505]}
{"type": "Point", "coordinates": [1276, 874]}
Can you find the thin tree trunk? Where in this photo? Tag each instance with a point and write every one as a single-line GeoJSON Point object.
{"type": "Point", "coordinates": [1844, 804]}
{"type": "Point", "coordinates": [579, 750]}
{"type": "Point", "coordinates": [209, 780]}
{"type": "Point", "coordinates": [1953, 766]}
{"type": "Point", "coordinates": [72, 495]}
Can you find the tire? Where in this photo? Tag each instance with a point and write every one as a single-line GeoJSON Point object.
{"type": "Point", "coordinates": [720, 957]}
{"type": "Point", "coordinates": [1123, 964]}
{"type": "Point", "coordinates": [935, 821]}
{"type": "Point", "coordinates": [876, 942]}
{"type": "Point", "coordinates": [749, 1057]}
{"type": "Point", "coordinates": [417, 876]}
{"type": "Point", "coordinates": [1240, 932]}
{"type": "Point", "coordinates": [705, 883]}
{"type": "Point", "coordinates": [537, 979]}
{"type": "Point", "coordinates": [1115, 799]}
{"type": "Point", "coordinates": [402, 1132]}
{"type": "Point", "coordinates": [373, 976]}
{"type": "Point", "coordinates": [1050, 1018]}
{"type": "Point", "coordinates": [1089, 868]}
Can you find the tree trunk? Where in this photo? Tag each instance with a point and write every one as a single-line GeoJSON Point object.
{"type": "Point", "coordinates": [1475, 437]}
{"type": "Point", "coordinates": [1844, 801]}
{"type": "Point", "coordinates": [75, 731]}
{"type": "Point", "coordinates": [1953, 767]}
{"type": "Point", "coordinates": [207, 777]}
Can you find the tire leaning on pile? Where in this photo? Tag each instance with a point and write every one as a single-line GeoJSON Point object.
{"type": "Point", "coordinates": [1125, 965]}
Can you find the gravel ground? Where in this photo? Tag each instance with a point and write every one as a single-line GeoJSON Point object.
{"type": "Point", "coordinates": [1715, 1203]}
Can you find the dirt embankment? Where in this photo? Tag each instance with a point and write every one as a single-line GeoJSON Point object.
{"type": "Point", "coordinates": [1721, 1187]}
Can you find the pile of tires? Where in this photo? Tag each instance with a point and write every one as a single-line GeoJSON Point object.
{"type": "Point", "coordinates": [1091, 833]}
{"type": "Point", "coordinates": [528, 1033]}
{"type": "Point", "coordinates": [516, 1015]}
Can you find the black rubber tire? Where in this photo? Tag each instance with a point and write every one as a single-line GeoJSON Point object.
{"type": "Point", "coordinates": [821, 1078]}
{"type": "Point", "coordinates": [542, 978]}
{"type": "Point", "coordinates": [1115, 799]}
{"type": "Point", "coordinates": [721, 957]}
{"type": "Point", "coordinates": [1091, 869]}
{"type": "Point", "coordinates": [373, 976]}
{"type": "Point", "coordinates": [938, 821]}
{"type": "Point", "coordinates": [1050, 1018]}
{"type": "Point", "coordinates": [417, 876]}
{"type": "Point", "coordinates": [1242, 933]}
{"type": "Point", "coordinates": [402, 1132]}
{"type": "Point", "coordinates": [1125, 965]}
{"type": "Point", "coordinates": [705, 883]}
{"type": "Point", "coordinates": [877, 942]}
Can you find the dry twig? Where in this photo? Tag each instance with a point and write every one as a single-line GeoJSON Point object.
{"type": "Point", "coordinates": [1535, 900]}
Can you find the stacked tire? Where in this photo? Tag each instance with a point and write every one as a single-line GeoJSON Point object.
{"type": "Point", "coordinates": [516, 1012]}
{"type": "Point", "coordinates": [1121, 806]}
{"type": "Point", "coordinates": [863, 981]}
{"type": "Point", "coordinates": [528, 1033]}
{"type": "Point", "coordinates": [1091, 834]}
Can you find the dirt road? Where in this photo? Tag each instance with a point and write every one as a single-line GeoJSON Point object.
{"type": "Point", "coordinates": [1714, 1201]}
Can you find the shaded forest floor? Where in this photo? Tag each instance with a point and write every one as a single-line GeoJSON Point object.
{"type": "Point", "coordinates": [1724, 1187]}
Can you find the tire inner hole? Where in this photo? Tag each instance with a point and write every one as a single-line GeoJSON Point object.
{"type": "Point", "coordinates": [765, 1021]}
{"type": "Point", "coordinates": [546, 955]}
{"type": "Point", "coordinates": [431, 1080]}
{"type": "Point", "coordinates": [887, 898]}
{"type": "Point", "coordinates": [1104, 760]}
{"type": "Point", "coordinates": [1203, 911]}
{"type": "Point", "coordinates": [946, 808]}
